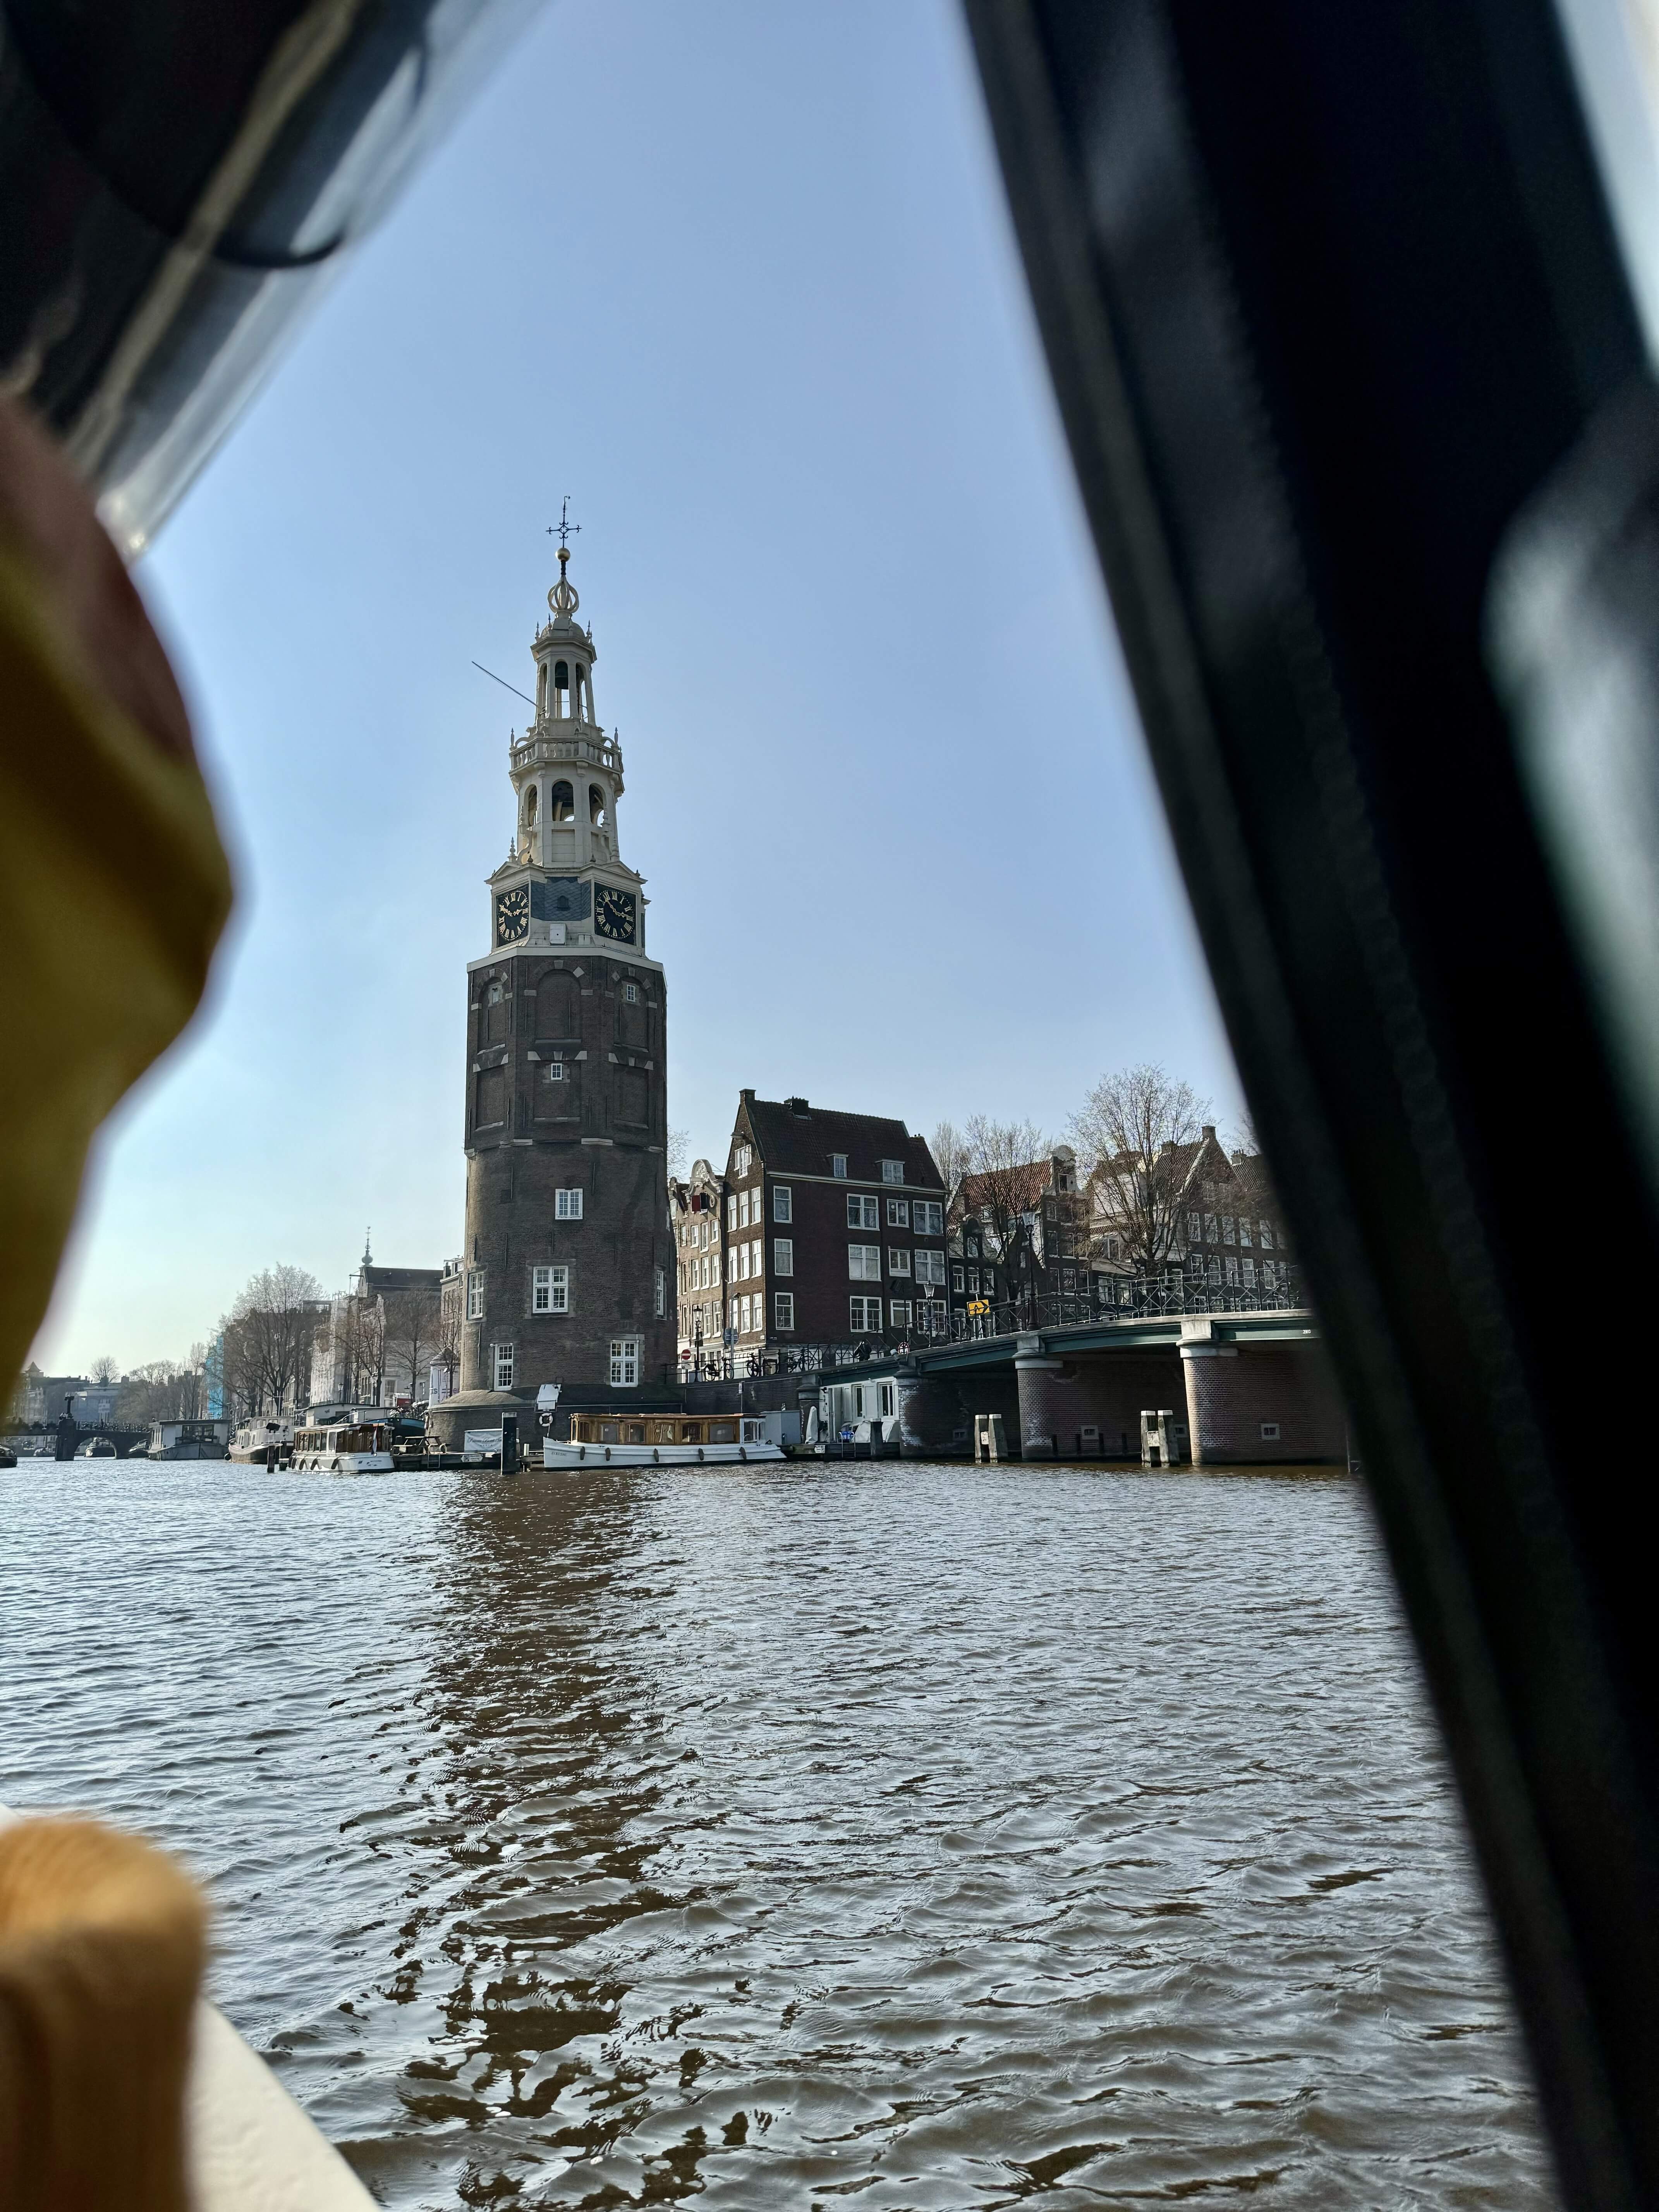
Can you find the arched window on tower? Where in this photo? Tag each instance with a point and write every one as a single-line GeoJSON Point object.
{"type": "Point", "coordinates": [530, 806]}
{"type": "Point", "coordinates": [561, 804]}
{"type": "Point", "coordinates": [577, 673]}
{"type": "Point", "coordinates": [596, 805]}
{"type": "Point", "coordinates": [561, 675]}
{"type": "Point", "coordinates": [541, 688]}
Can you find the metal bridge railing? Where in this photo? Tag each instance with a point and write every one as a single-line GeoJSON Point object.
{"type": "Point", "coordinates": [1114, 1298]}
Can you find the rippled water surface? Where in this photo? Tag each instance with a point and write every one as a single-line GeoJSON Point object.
{"type": "Point", "coordinates": [927, 1837]}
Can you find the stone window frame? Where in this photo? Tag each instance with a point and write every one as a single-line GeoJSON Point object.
{"type": "Point", "coordinates": [504, 1359]}
{"type": "Point", "coordinates": [783, 1311]}
{"type": "Point", "coordinates": [783, 1255]}
{"type": "Point", "coordinates": [783, 1202]}
{"type": "Point", "coordinates": [568, 1202]}
{"type": "Point", "coordinates": [555, 1282]}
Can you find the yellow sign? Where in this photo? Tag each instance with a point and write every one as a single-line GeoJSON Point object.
{"type": "Point", "coordinates": [979, 1305]}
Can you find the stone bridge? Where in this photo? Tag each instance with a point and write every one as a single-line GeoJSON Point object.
{"type": "Point", "coordinates": [1251, 1387]}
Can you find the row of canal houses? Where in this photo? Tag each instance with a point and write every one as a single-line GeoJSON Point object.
{"type": "Point", "coordinates": [824, 1231]}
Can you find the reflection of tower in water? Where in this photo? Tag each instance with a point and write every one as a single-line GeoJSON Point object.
{"type": "Point", "coordinates": [532, 1843]}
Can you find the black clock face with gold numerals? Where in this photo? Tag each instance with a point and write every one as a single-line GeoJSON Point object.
{"type": "Point", "coordinates": [513, 915]}
{"type": "Point", "coordinates": [613, 914]}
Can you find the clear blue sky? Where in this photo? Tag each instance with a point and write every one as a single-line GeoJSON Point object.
{"type": "Point", "coordinates": [740, 279]}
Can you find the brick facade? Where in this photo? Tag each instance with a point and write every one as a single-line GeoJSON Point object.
{"type": "Point", "coordinates": [1254, 1404]}
{"type": "Point", "coordinates": [599, 1130]}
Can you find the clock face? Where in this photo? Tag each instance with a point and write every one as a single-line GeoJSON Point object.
{"type": "Point", "coordinates": [614, 913]}
{"type": "Point", "coordinates": [513, 915]}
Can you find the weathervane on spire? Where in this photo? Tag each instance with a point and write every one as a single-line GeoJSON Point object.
{"type": "Point", "coordinates": [564, 530]}
{"type": "Point", "coordinates": [562, 598]}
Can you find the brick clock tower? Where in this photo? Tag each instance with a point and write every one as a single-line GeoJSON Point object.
{"type": "Point", "coordinates": [567, 1262]}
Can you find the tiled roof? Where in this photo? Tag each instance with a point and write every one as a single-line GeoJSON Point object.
{"type": "Point", "coordinates": [796, 1138]}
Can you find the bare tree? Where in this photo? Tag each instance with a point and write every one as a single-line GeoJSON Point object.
{"type": "Point", "coordinates": [447, 1346]}
{"type": "Point", "coordinates": [367, 1323]}
{"type": "Point", "coordinates": [273, 1318]}
{"type": "Point", "coordinates": [1005, 1169]}
{"type": "Point", "coordinates": [1131, 1136]}
{"type": "Point", "coordinates": [679, 1150]}
{"type": "Point", "coordinates": [162, 1390]}
{"type": "Point", "coordinates": [949, 1152]}
{"type": "Point", "coordinates": [106, 1369]}
{"type": "Point", "coordinates": [412, 1329]}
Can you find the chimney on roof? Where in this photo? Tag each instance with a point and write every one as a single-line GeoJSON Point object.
{"type": "Point", "coordinates": [797, 1107]}
{"type": "Point", "coordinates": [1209, 1131]}
{"type": "Point", "coordinates": [750, 1096]}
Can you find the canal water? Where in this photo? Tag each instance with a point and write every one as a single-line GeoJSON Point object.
{"type": "Point", "coordinates": [911, 1836]}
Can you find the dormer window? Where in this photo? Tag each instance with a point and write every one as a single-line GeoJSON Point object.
{"type": "Point", "coordinates": [892, 1171]}
{"type": "Point", "coordinates": [838, 1165]}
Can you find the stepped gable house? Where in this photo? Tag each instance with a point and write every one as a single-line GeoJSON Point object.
{"type": "Point", "coordinates": [696, 1210]}
{"type": "Point", "coordinates": [833, 1228]}
{"type": "Point", "coordinates": [566, 1267]}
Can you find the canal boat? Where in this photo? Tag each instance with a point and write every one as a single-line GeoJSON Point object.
{"type": "Point", "coordinates": [353, 1448]}
{"type": "Point", "coordinates": [256, 1440]}
{"type": "Point", "coordinates": [661, 1440]}
{"type": "Point", "coordinates": [99, 1448]}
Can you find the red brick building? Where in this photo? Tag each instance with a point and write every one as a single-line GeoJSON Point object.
{"type": "Point", "coordinates": [831, 1230]}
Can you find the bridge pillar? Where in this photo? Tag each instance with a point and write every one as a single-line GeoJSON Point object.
{"type": "Point", "coordinates": [1042, 1415]}
{"type": "Point", "coordinates": [1258, 1403]}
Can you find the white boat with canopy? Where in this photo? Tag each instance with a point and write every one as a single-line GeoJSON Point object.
{"type": "Point", "coordinates": [353, 1448]}
{"type": "Point", "coordinates": [662, 1440]}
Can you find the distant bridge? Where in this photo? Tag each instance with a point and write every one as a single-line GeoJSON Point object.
{"type": "Point", "coordinates": [35, 1442]}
